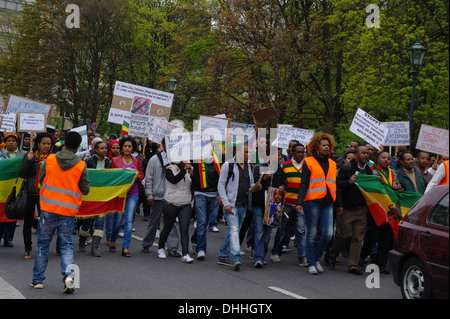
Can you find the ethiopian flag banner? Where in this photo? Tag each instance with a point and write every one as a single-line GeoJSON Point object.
{"type": "Point", "coordinates": [385, 204]}
{"type": "Point", "coordinates": [108, 194]}
{"type": "Point", "coordinates": [9, 172]}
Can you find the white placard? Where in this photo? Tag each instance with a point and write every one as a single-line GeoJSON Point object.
{"type": "Point", "coordinates": [287, 133]}
{"type": "Point", "coordinates": [216, 127]}
{"type": "Point", "coordinates": [16, 104]}
{"type": "Point", "coordinates": [82, 130]}
{"type": "Point", "coordinates": [178, 146]}
{"type": "Point", "coordinates": [432, 139]}
{"type": "Point", "coordinates": [134, 99]}
{"type": "Point", "coordinates": [8, 122]}
{"type": "Point", "coordinates": [160, 128]}
{"type": "Point", "coordinates": [32, 122]}
{"type": "Point", "coordinates": [398, 133]}
{"type": "Point", "coordinates": [369, 129]}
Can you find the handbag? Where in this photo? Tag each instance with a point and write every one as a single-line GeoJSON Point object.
{"type": "Point", "coordinates": [16, 206]}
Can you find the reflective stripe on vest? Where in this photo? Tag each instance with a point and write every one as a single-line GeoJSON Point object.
{"type": "Point", "coordinates": [318, 183]}
{"type": "Point", "coordinates": [60, 193]}
{"type": "Point", "coordinates": [444, 181]}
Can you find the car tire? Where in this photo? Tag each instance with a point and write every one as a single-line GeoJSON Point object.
{"type": "Point", "coordinates": [415, 282]}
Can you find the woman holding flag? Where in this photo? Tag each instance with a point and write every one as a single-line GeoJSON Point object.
{"type": "Point", "coordinates": [382, 235]}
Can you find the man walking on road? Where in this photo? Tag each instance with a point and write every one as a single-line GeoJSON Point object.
{"type": "Point", "coordinates": [64, 180]}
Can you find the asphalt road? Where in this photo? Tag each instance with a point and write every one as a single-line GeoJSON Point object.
{"type": "Point", "coordinates": [145, 276]}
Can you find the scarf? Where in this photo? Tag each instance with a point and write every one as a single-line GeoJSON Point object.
{"type": "Point", "coordinates": [388, 176]}
{"type": "Point", "coordinates": [41, 159]}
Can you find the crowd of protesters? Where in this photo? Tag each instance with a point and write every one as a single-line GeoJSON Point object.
{"type": "Point", "coordinates": [326, 216]}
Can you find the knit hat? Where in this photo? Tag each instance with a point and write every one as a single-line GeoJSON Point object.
{"type": "Point", "coordinates": [95, 141]}
{"type": "Point", "coordinates": [9, 135]}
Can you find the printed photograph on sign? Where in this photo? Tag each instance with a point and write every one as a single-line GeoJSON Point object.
{"type": "Point", "coordinates": [274, 207]}
{"type": "Point", "coordinates": [141, 105]}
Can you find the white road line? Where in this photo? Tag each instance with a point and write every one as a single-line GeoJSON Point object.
{"type": "Point", "coordinates": [287, 293]}
{"type": "Point", "coordinates": [136, 237]}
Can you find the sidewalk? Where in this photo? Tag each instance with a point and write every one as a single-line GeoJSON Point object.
{"type": "Point", "coordinates": [9, 292]}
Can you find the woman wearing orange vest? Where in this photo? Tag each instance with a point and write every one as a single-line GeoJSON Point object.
{"type": "Point", "coordinates": [64, 179]}
{"type": "Point", "coordinates": [316, 196]}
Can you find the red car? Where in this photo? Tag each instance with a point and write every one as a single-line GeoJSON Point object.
{"type": "Point", "coordinates": [419, 259]}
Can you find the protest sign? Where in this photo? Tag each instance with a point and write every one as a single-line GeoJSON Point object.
{"type": "Point", "coordinates": [82, 130]}
{"type": "Point", "coordinates": [216, 127]}
{"type": "Point", "coordinates": [287, 133]}
{"type": "Point", "coordinates": [8, 122]}
{"type": "Point", "coordinates": [274, 207]}
{"type": "Point", "coordinates": [432, 139]}
{"type": "Point", "coordinates": [178, 146]}
{"type": "Point", "coordinates": [133, 99]}
{"type": "Point", "coordinates": [32, 122]}
{"type": "Point", "coordinates": [369, 129]}
{"type": "Point", "coordinates": [16, 104]}
{"type": "Point", "coordinates": [159, 128]}
{"type": "Point", "coordinates": [398, 133]}
{"type": "Point", "coordinates": [262, 116]}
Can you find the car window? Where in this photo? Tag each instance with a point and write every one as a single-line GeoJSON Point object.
{"type": "Point", "coordinates": [439, 215]}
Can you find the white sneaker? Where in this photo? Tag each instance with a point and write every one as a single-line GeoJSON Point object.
{"type": "Point", "coordinates": [312, 270]}
{"type": "Point", "coordinates": [162, 253]}
{"type": "Point", "coordinates": [214, 229]}
{"type": "Point", "coordinates": [201, 255]}
{"type": "Point", "coordinates": [319, 267]}
{"type": "Point", "coordinates": [69, 287]}
{"type": "Point", "coordinates": [187, 259]}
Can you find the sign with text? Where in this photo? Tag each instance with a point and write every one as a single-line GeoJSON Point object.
{"type": "Point", "coordinates": [398, 133]}
{"type": "Point", "coordinates": [82, 130]}
{"type": "Point", "coordinates": [369, 128]}
{"type": "Point", "coordinates": [131, 99]}
{"type": "Point", "coordinates": [16, 104]}
{"type": "Point", "coordinates": [432, 139]}
{"type": "Point", "coordinates": [32, 122]}
{"type": "Point", "coordinates": [8, 122]}
{"type": "Point", "coordinates": [216, 127]}
{"type": "Point", "coordinates": [178, 147]}
{"type": "Point", "coordinates": [287, 133]}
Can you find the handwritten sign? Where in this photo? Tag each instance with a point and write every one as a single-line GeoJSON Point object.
{"type": "Point", "coordinates": [159, 128]}
{"type": "Point", "coordinates": [178, 146]}
{"type": "Point", "coordinates": [432, 139]}
{"type": "Point", "coordinates": [133, 99]}
{"type": "Point", "coordinates": [32, 122]}
{"type": "Point", "coordinates": [16, 104]}
{"type": "Point", "coordinates": [287, 133]}
{"type": "Point", "coordinates": [8, 122]}
{"type": "Point", "coordinates": [369, 129]}
{"type": "Point", "coordinates": [398, 133]}
{"type": "Point", "coordinates": [216, 127]}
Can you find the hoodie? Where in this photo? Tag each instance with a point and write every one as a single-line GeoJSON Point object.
{"type": "Point", "coordinates": [66, 160]}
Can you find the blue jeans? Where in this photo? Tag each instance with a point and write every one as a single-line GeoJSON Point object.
{"type": "Point", "coordinates": [231, 239]}
{"type": "Point", "coordinates": [48, 224]}
{"type": "Point", "coordinates": [205, 207]}
{"type": "Point", "coordinates": [317, 216]}
{"type": "Point", "coordinates": [128, 217]}
{"type": "Point", "coordinates": [259, 250]}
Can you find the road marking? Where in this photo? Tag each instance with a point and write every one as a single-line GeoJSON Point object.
{"type": "Point", "coordinates": [136, 237]}
{"type": "Point", "coordinates": [287, 293]}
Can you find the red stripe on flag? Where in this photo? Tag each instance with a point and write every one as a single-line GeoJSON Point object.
{"type": "Point", "coordinates": [93, 209]}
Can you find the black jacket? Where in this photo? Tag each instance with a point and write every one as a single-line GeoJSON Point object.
{"type": "Point", "coordinates": [212, 176]}
{"type": "Point", "coordinates": [28, 171]}
{"type": "Point", "coordinates": [91, 162]}
{"type": "Point", "coordinates": [276, 180]}
{"type": "Point", "coordinates": [349, 193]}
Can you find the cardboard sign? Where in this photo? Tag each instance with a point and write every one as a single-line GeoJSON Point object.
{"type": "Point", "coordinates": [262, 116]}
{"type": "Point", "coordinates": [133, 99]}
{"type": "Point", "coordinates": [16, 104]}
{"type": "Point", "coordinates": [287, 133]}
{"type": "Point", "coordinates": [8, 122]}
{"type": "Point", "coordinates": [369, 129]}
{"type": "Point", "coordinates": [216, 127]}
{"type": "Point", "coordinates": [432, 139]}
{"type": "Point", "coordinates": [398, 133]}
{"type": "Point", "coordinates": [32, 122]}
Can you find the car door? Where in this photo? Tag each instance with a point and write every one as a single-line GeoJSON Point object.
{"type": "Point", "coordinates": [434, 241]}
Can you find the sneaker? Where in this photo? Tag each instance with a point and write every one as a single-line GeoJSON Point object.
{"type": "Point", "coordinates": [145, 250]}
{"type": "Point", "coordinates": [312, 270]}
{"type": "Point", "coordinates": [258, 264]}
{"type": "Point", "coordinates": [319, 267]}
{"type": "Point", "coordinates": [187, 259]}
{"type": "Point", "coordinates": [214, 229]}
{"type": "Point", "coordinates": [275, 258]}
{"type": "Point", "coordinates": [27, 255]}
{"type": "Point", "coordinates": [68, 285]}
{"type": "Point", "coordinates": [303, 263]}
{"type": "Point", "coordinates": [174, 253]}
{"type": "Point", "coordinates": [162, 253]}
{"type": "Point", "coordinates": [37, 285]}
{"type": "Point", "coordinates": [201, 255]}
{"type": "Point", "coordinates": [157, 233]}
{"type": "Point", "coordinates": [224, 262]}
{"type": "Point", "coordinates": [237, 265]}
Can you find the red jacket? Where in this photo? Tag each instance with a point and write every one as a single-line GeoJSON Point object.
{"type": "Point", "coordinates": [117, 163]}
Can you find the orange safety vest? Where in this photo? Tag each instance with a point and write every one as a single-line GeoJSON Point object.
{"type": "Point", "coordinates": [60, 193]}
{"type": "Point", "coordinates": [444, 181]}
{"type": "Point", "coordinates": [318, 183]}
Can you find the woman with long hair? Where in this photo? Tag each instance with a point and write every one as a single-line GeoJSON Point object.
{"type": "Point", "coordinates": [316, 196]}
{"type": "Point", "coordinates": [126, 160]}
{"type": "Point", "coordinates": [29, 171]}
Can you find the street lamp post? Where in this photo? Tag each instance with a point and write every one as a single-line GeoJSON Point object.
{"type": "Point", "coordinates": [64, 95]}
{"type": "Point", "coordinates": [172, 84]}
{"type": "Point", "coordinates": [416, 55]}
